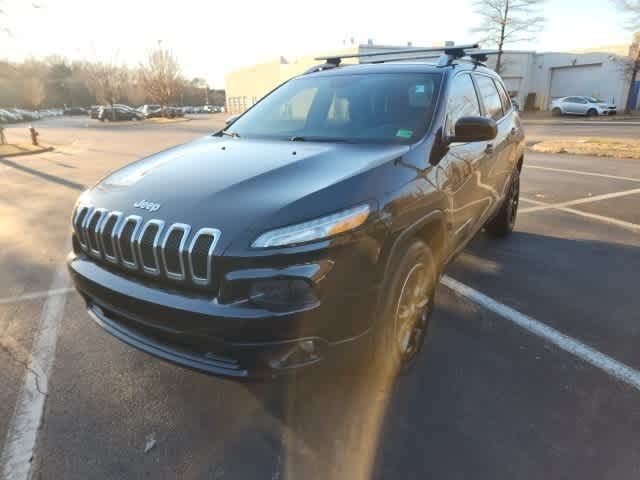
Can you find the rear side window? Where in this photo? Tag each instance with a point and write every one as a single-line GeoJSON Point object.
{"type": "Point", "coordinates": [504, 96]}
{"type": "Point", "coordinates": [463, 102]}
{"type": "Point", "coordinates": [490, 97]}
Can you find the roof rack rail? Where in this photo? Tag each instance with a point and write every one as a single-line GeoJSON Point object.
{"type": "Point", "coordinates": [320, 68]}
{"type": "Point", "coordinates": [481, 56]}
{"type": "Point", "coordinates": [452, 51]}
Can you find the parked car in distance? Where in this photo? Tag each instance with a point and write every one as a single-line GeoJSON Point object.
{"type": "Point", "coordinates": [27, 115]}
{"type": "Point", "coordinates": [150, 111]}
{"type": "Point", "coordinates": [118, 112]}
{"type": "Point", "coordinates": [171, 111]}
{"type": "Point", "coordinates": [8, 117]}
{"type": "Point", "coordinates": [312, 230]}
{"type": "Point", "coordinates": [94, 110]}
{"type": "Point", "coordinates": [74, 111]}
{"type": "Point", "coordinates": [579, 105]}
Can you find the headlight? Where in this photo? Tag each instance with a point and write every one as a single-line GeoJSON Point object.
{"type": "Point", "coordinates": [314, 229]}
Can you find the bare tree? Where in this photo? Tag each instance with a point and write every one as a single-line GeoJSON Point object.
{"type": "Point", "coordinates": [160, 76]}
{"type": "Point", "coordinates": [107, 81]}
{"type": "Point", "coordinates": [508, 21]}
{"type": "Point", "coordinates": [632, 9]}
{"type": "Point", "coordinates": [34, 92]}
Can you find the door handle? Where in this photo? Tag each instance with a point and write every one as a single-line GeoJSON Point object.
{"type": "Point", "coordinates": [489, 148]}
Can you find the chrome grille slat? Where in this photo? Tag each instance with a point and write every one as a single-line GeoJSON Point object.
{"type": "Point", "coordinates": [83, 229]}
{"type": "Point", "coordinates": [155, 270]}
{"type": "Point", "coordinates": [186, 229]}
{"type": "Point", "coordinates": [215, 234]}
{"type": "Point", "coordinates": [100, 233]}
{"type": "Point", "coordinates": [133, 263]}
{"type": "Point", "coordinates": [112, 237]}
{"type": "Point", "coordinates": [92, 237]}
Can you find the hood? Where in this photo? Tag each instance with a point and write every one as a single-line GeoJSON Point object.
{"type": "Point", "coordinates": [231, 184]}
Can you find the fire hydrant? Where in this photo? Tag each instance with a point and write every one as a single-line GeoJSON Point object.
{"type": "Point", "coordinates": [34, 135]}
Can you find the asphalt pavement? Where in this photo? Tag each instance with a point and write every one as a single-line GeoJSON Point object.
{"type": "Point", "coordinates": [489, 399]}
{"type": "Point", "coordinates": [578, 127]}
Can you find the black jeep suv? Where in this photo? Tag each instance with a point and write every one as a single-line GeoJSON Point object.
{"type": "Point", "coordinates": [312, 230]}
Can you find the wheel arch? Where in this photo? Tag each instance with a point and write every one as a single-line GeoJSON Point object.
{"type": "Point", "coordinates": [430, 229]}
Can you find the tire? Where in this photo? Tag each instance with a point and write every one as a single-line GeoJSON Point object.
{"type": "Point", "coordinates": [592, 112]}
{"type": "Point", "coordinates": [502, 224]}
{"type": "Point", "coordinates": [556, 112]}
{"type": "Point", "coordinates": [404, 321]}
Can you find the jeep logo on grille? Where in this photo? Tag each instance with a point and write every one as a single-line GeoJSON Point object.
{"type": "Point", "coordinates": [149, 206]}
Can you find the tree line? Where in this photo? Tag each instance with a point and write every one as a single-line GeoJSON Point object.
{"type": "Point", "coordinates": [55, 81]}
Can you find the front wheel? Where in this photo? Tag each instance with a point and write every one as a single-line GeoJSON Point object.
{"type": "Point", "coordinates": [502, 224]}
{"type": "Point", "coordinates": [592, 112]}
{"type": "Point", "coordinates": [405, 316]}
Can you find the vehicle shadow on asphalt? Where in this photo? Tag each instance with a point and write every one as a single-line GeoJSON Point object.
{"type": "Point", "coordinates": [44, 176]}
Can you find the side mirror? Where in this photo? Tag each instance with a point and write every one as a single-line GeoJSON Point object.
{"type": "Point", "coordinates": [231, 119]}
{"type": "Point", "coordinates": [515, 104]}
{"type": "Point", "coordinates": [474, 129]}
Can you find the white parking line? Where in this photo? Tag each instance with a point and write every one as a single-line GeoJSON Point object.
{"type": "Point", "coordinates": [579, 172]}
{"type": "Point", "coordinates": [634, 227]}
{"type": "Point", "coordinates": [579, 201]}
{"type": "Point", "coordinates": [35, 295]}
{"type": "Point", "coordinates": [17, 456]}
{"type": "Point", "coordinates": [590, 355]}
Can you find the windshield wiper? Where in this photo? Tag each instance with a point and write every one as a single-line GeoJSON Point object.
{"type": "Point", "coordinates": [230, 134]}
{"type": "Point", "coordinates": [297, 138]}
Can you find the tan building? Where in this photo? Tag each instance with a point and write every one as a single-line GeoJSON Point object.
{"type": "Point", "coordinates": [246, 86]}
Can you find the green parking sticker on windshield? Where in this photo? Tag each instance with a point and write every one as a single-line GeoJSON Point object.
{"type": "Point", "coordinates": [404, 133]}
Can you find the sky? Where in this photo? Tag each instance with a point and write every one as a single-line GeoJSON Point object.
{"type": "Point", "coordinates": [210, 38]}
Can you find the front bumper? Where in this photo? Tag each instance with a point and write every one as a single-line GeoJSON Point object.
{"type": "Point", "coordinates": [234, 340]}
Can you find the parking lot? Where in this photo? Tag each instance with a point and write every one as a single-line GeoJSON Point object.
{"type": "Point", "coordinates": [532, 369]}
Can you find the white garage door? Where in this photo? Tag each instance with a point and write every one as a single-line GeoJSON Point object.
{"type": "Point", "coordinates": [575, 80]}
{"type": "Point", "coordinates": [513, 84]}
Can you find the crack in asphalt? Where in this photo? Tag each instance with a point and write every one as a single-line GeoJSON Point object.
{"type": "Point", "coordinates": [13, 356]}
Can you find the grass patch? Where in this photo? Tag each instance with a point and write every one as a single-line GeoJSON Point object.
{"type": "Point", "coordinates": [599, 147]}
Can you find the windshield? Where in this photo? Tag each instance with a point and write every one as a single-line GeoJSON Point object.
{"type": "Point", "coordinates": [595, 100]}
{"type": "Point", "coordinates": [381, 108]}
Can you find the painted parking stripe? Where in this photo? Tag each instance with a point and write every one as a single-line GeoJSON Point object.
{"type": "Point", "coordinates": [18, 452]}
{"type": "Point", "coordinates": [590, 355]}
{"type": "Point", "coordinates": [35, 295]}
{"type": "Point", "coordinates": [580, 201]}
{"type": "Point", "coordinates": [634, 227]}
{"type": "Point", "coordinates": [580, 172]}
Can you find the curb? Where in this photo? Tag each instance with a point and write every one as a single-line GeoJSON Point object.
{"type": "Point", "coordinates": [30, 152]}
{"type": "Point", "coordinates": [583, 122]}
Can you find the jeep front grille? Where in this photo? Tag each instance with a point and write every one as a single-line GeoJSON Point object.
{"type": "Point", "coordinates": [150, 247]}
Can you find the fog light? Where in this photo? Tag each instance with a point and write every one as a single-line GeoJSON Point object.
{"type": "Point", "coordinates": [282, 293]}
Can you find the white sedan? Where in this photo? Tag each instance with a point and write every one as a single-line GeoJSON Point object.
{"type": "Point", "coordinates": [587, 106]}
